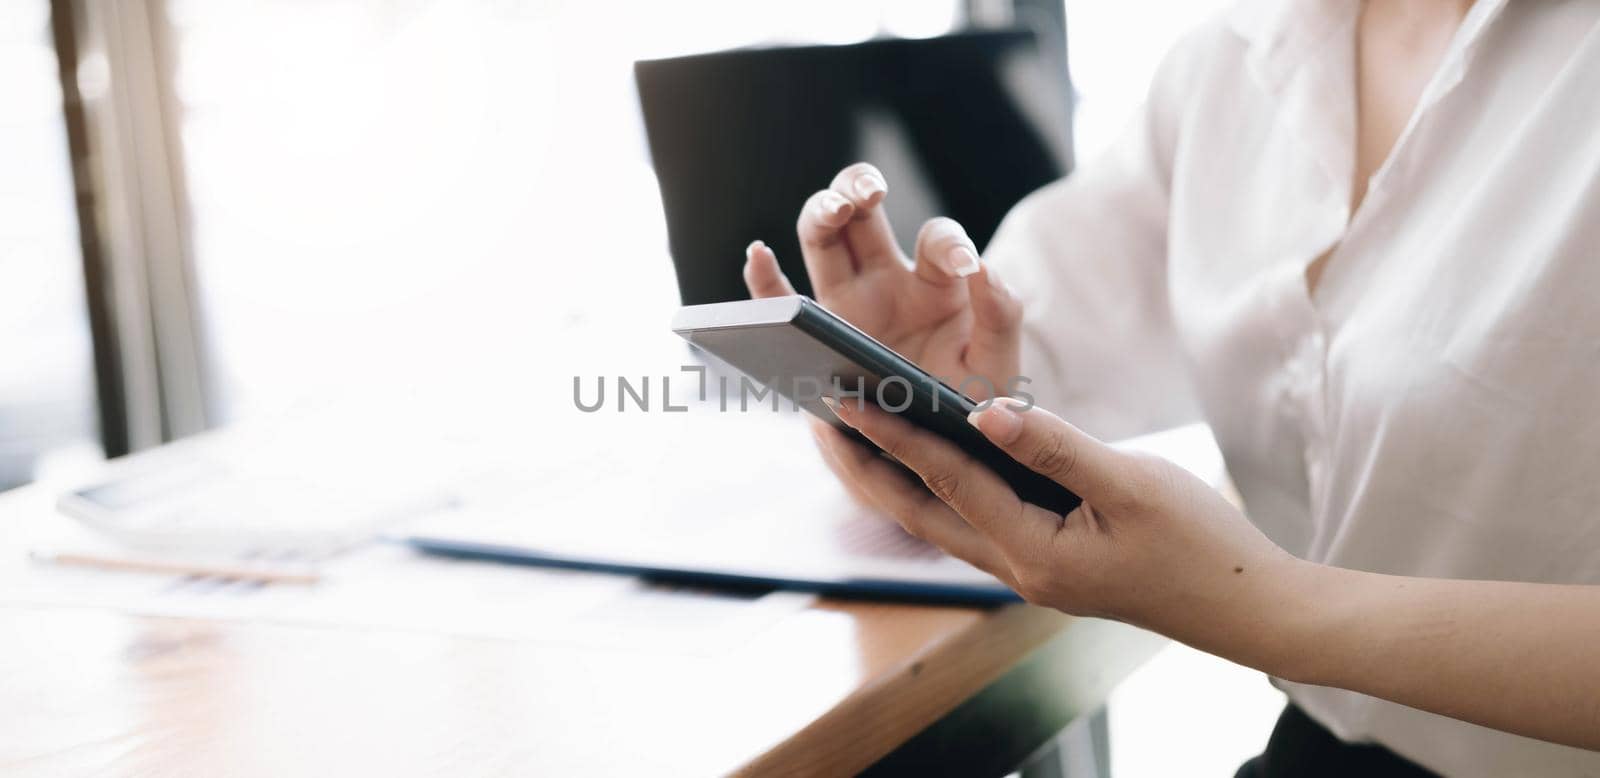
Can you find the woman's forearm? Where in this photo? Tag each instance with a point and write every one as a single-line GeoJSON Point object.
{"type": "Point", "coordinates": [1524, 658]}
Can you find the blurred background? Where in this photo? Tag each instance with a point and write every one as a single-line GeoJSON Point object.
{"type": "Point", "coordinates": [249, 204]}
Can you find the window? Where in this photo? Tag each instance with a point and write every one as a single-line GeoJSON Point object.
{"type": "Point", "coordinates": [426, 194]}
{"type": "Point", "coordinates": [47, 410]}
{"type": "Point", "coordinates": [1114, 49]}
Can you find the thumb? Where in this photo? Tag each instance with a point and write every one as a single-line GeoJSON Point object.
{"type": "Point", "coordinates": [1069, 456]}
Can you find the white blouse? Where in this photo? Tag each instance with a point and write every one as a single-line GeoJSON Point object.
{"type": "Point", "coordinates": [1433, 409]}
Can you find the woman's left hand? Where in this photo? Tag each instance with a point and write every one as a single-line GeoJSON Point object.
{"type": "Point", "coordinates": [1151, 545]}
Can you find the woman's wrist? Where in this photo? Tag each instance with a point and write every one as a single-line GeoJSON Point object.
{"type": "Point", "coordinates": [1305, 607]}
{"type": "Point", "coordinates": [1276, 615]}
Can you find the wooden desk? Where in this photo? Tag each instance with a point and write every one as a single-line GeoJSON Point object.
{"type": "Point", "coordinates": [834, 688]}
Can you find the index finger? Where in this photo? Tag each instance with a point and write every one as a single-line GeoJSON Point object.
{"type": "Point", "coordinates": [869, 233]}
{"type": "Point", "coordinates": [921, 514]}
{"type": "Point", "coordinates": [981, 498]}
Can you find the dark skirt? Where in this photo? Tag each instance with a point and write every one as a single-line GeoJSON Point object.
{"type": "Point", "coordinates": [1302, 748]}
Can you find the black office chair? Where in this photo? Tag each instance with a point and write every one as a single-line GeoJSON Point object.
{"type": "Point", "coordinates": [963, 126]}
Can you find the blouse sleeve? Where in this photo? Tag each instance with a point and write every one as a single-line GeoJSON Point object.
{"type": "Point", "coordinates": [1087, 256]}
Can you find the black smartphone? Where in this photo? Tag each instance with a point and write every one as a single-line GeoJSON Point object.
{"type": "Point", "coordinates": [791, 348]}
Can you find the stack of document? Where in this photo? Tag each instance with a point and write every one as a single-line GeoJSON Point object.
{"type": "Point", "coordinates": [750, 502]}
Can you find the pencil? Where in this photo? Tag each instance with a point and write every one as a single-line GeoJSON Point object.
{"type": "Point", "coordinates": [136, 565]}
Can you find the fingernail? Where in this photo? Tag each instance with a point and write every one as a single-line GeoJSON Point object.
{"type": "Point", "coordinates": [750, 250]}
{"type": "Point", "coordinates": [869, 184]}
{"type": "Point", "coordinates": [832, 204]}
{"type": "Point", "coordinates": [962, 262]}
{"type": "Point", "coordinates": [837, 407]}
{"type": "Point", "coordinates": [997, 422]}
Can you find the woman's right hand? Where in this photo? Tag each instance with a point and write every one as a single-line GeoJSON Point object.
{"type": "Point", "coordinates": [946, 311]}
